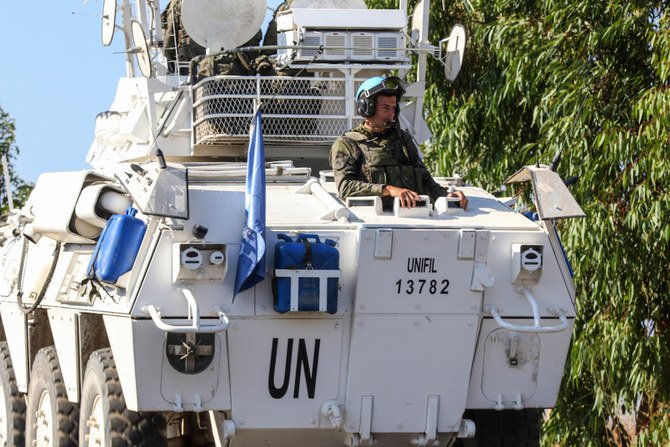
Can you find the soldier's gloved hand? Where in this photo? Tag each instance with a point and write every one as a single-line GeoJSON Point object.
{"type": "Point", "coordinates": [408, 198]}
{"type": "Point", "coordinates": [463, 203]}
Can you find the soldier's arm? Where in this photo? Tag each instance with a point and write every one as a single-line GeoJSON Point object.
{"type": "Point", "coordinates": [434, 189]}
{"type": "Point", "coordinates": [346, 168]}
{"type": "Point", "coordinates": [429, 184]}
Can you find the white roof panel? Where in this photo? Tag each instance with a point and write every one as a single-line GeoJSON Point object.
{"type": "Point", "coordinates": [369, 19]}
{"type": "Point", "coordinates": [285, 207]}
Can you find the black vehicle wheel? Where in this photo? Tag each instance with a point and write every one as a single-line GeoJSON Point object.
{"type": "Point", "coordinates": [104, 418]}
{"type": "Point", "coordinates": [507, 428]}
{"type": "Point", "coordinates": [51, 419]}
{"type": "Point", "coordinates": [12, 404]}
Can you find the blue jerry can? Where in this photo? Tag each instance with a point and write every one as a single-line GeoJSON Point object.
{"type": "Point", "coordinates": [117, 247]}
{"type": "Point", "coordinates": [306, 254]}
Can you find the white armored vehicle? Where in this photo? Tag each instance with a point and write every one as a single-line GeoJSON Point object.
{"type": "Point", "coordinates": [421, 326]}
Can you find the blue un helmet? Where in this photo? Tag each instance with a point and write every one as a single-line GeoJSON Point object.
{"type": "Point", "coordinates": [366, 93]}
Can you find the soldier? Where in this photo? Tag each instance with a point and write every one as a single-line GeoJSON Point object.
{"type": "Point", "coordinates": [177, 45]}
{"type": "Point", "coordinates": [271, 33]}
{"type": "Point", "coordinates": [378, 158]}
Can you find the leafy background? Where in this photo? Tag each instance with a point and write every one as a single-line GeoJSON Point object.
{"type": "Point", "coordinates": [589, 79]}
{"type": "Point", "coordinates": [8, 148]}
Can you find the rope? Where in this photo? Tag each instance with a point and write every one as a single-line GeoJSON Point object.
{"type": "Point", "coordinates": [28, 310]}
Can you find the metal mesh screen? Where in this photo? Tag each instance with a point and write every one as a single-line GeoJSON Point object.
{"type": "Point", "coordinates": [295, 110]}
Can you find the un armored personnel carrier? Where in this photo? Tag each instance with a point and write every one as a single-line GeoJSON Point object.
{"type": "Point", "coordinates": [121, 320]}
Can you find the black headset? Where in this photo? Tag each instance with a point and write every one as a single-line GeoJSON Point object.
{"type": "Point", "coordinates": [366, 103]}
{"type": "Point", "coordinates": [366, 107]}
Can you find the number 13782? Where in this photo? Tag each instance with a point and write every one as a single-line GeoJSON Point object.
{"type": "Point", "coordinates": [422, 286]}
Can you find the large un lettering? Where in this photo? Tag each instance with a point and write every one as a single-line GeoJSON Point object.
{"type": "Point", "coordinates": [302, 365]}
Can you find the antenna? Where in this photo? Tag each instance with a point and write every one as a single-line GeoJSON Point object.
{"type": "Point", "coordinates": [8, 185]}
{"type": "Point", "coordinates": [416, 31]}
{"type": "Point", "coordinates": [222, 24]}
{"type": "Point", "coordinates": [453, 56]}
{"type": "Point", "coordinates": [85, 14]}
{"type": "Point", "coordinates": [161, 159]}
{"type": "Point", "coordinates": [131, 50]}
{"type": "Point", "coordinates": [557, 159]}
{"type": "Point", "coordinates": [140, 49]}
{"type": "Point", "coordinates": [108, 21]}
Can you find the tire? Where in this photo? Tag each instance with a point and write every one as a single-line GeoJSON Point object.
{"type": "Point", "coordinates": [51, 419]}
{"type": "Point", "coordinates": [104, 419]}
{"type": "Point", "coordinates": [507, 428]}
{"type": "Point", "coordinates": [12, 403]}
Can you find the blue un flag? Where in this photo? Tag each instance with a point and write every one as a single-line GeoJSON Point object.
{"type": "Point", "coordinates": [251, 262]}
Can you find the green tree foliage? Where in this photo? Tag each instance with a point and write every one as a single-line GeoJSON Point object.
{"type": "Point", "coordinates": [590, 79]}
{"type": "Point", "coordinates": [20, 189]}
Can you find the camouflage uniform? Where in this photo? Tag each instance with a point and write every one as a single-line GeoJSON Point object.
{"type": "Point", "coordinates": [271, 33]}
{"type": "Point", "coordinates": [186, 48]}
{"type": "Point", "coordinates": [236, 63]}
{"type": "Point", "coordinates": [175, 38]}
{"type": "Point", "coordinates": [364, 162]}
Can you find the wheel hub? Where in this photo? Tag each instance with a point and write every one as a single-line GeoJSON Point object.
{"type": "Point", "coordinates": [96, 424]}
{"type": "Point", "coordinates": [43, 421]}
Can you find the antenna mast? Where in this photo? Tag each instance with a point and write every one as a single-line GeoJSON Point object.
{"type": "Point", "coordinates": [8, 185]}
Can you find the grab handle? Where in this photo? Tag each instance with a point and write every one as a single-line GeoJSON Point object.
{"type": "Point", "coordinates": [193, 315]}
{"type": "Point", "coordinates": [302, 237]}
{"type": "Point", "coordinates": [536, 327]}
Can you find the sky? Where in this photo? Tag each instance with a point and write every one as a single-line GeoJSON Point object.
{"type": "Point", "coordinates": [55, 77]}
